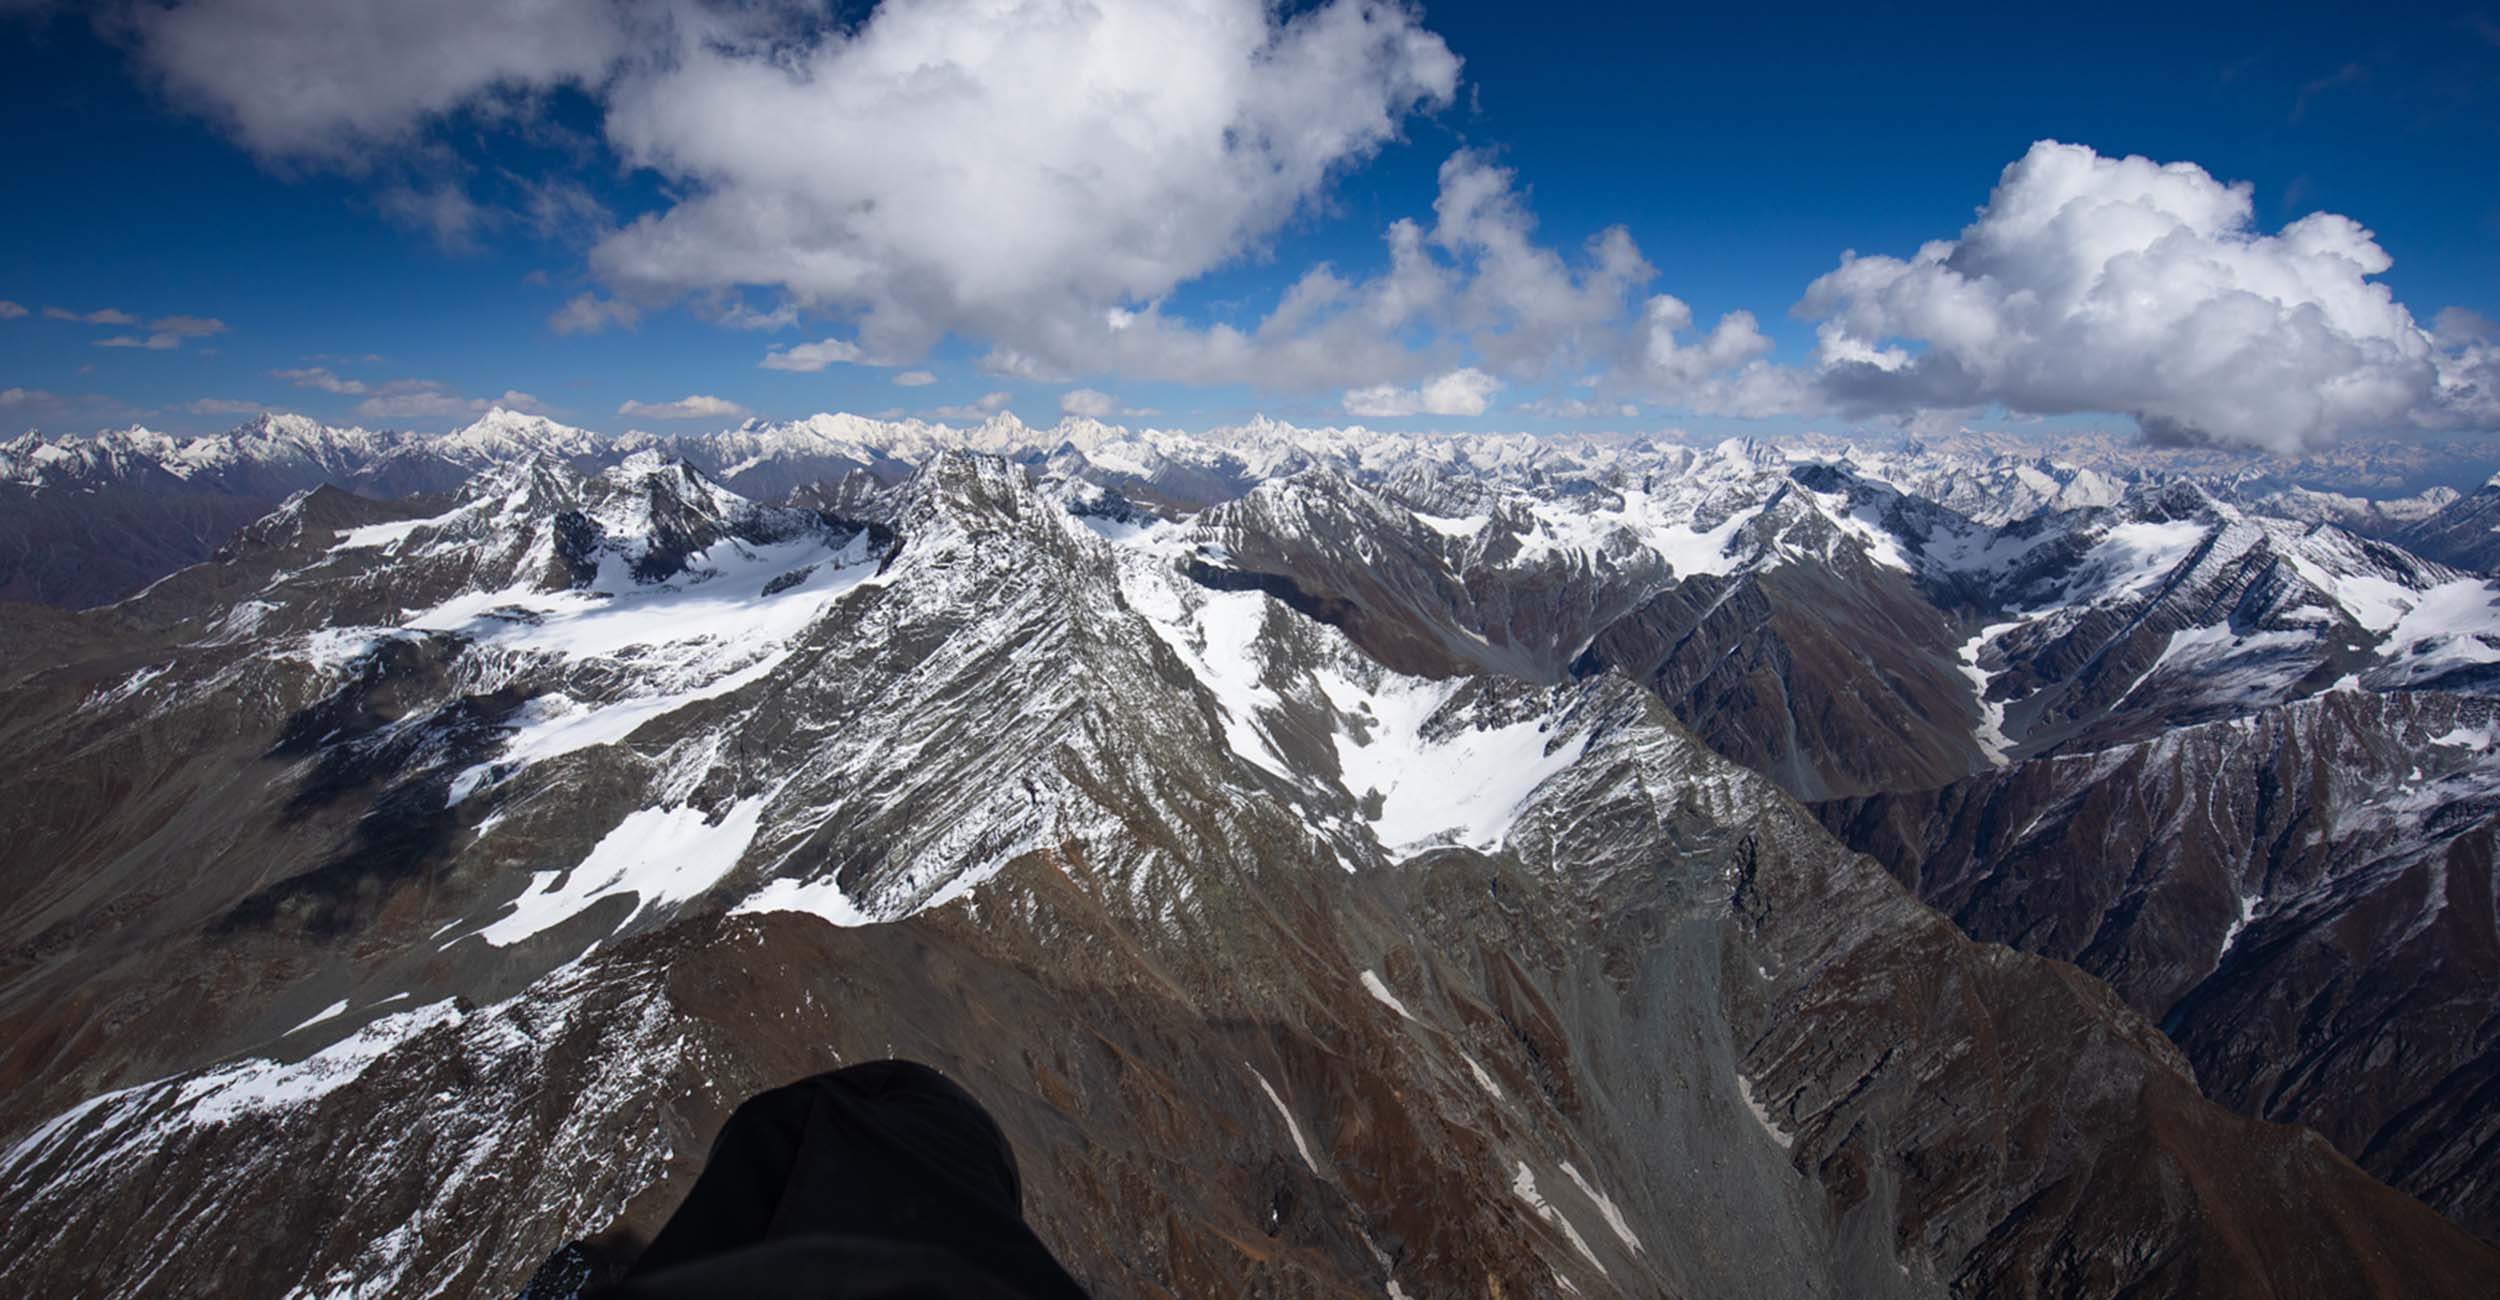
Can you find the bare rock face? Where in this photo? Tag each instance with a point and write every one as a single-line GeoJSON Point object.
{"type": "Point", "coordinates": [2301, 898]}
{"type": "Point", "coordinates": [1827, 680]}
{"type": "Point", "coordinates": [413, 889]}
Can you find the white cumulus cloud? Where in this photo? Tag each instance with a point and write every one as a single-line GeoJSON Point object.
{"type": "Point", "coordinates": [915, 379]}
{"type": "Point", "coordinates": [1461, 392]}
{"type": "Point", "coordinates": [994, 166]}
{"type": "Point", "coordinates": [2091, 283]}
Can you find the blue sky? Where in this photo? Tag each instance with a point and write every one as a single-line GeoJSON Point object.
{"type": "Point", "coordinates": [1741, 154]}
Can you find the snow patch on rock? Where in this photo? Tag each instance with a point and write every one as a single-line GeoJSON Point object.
{"type": "Point", "coordinates": [1290, 1126]}
{"type": "Point", "coordinates": [1523, 1186]}
{"type": "Point", "coordinates": [658, 855]}
{"type": "Point", "coordinates": [1440, 780]}
{"type": "Point", "coordinates": [1381, 994]}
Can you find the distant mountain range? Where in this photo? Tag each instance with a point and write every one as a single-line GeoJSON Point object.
{"type": "Point", "coordinates": [1349, 862]}
{"type": "Point", "coordinates": [87, 519]}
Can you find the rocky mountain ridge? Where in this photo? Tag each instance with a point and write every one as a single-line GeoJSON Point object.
{"type": "Point", "coordinates": [1347, 880]}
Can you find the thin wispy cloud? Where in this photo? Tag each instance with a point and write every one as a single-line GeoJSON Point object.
{"type": "Point", "coordinates": [441, 211]}
{"type": "Point", "coordinates": [979, 408]}
{"type": "Point", "coordinates": [2343, 78]}
{"type": "Point", "coordinates": [163, 334]}
{"type": "Point", "coordinates": [697, 407]}
{"type": "Point", "coordinates": [1580, 408]}
{"type": "Point", "coordinates": [737, 315]}
{"type": "Point", "coordinates": [427, 399]}
{"type": "Point", "coordinates": [224, 406]}
{"type": "Point", "coordinates": [589, 313]}
{"type": "Point", "coordinates": [322, 378]}
{"type": "Point", "coordinates": [810, 357]}
{"type": "Point", "coordinates": [100, 316]}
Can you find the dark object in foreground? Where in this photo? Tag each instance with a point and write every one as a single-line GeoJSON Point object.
{"type": "Point", "coordinates": [883, 1181]}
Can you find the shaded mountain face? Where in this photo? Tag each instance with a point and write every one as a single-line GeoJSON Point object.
{"type": "Point", "coordinates": [2464, 533]}
{"type": "Point", "coordinates": [414, 886]}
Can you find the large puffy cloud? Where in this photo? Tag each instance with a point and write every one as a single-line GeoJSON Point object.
{"type": "Point", "coordinates": [1005, 168]}
{"type": "Point", "coordinates": [2090, 283]}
